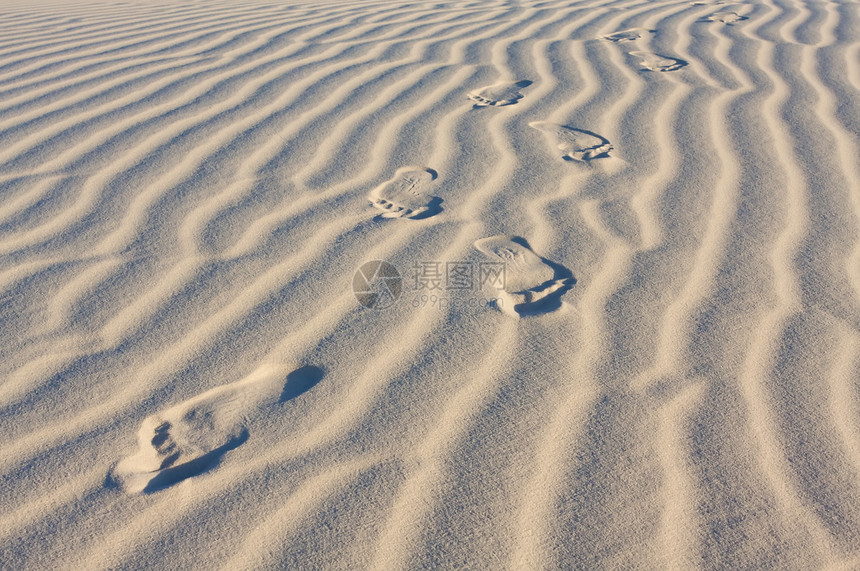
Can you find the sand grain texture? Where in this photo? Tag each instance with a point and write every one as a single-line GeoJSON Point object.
{"type": "Point", "coordinates": [667, 378]}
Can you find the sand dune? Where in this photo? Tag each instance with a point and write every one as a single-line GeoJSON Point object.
{"type": "Point", "coordinates": [200, 368]}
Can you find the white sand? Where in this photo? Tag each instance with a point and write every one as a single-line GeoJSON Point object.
{"type": "Point", "coordinates": [666, 375]}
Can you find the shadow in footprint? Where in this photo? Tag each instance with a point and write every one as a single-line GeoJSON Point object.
{"type": "Point", "coordinates": [561, 275]}
{"type": "Point", "coordinates": [597, 151]}
{"type": "Point", "coordinates": [529, 284]}
{"type": "Point", "coordinates": [169, 476]}
{"type": "Point", "coordinates": [727, 18]}
{"type": "Point", "coordinates": [577, 145]}
{"type": "Point", "coordinates": [406, 195]}
{"type": "Point", "coordinates": [300, 381]}
{"type": "Point", "coordinates": [630, 35]}
{"type": "Point", "coordinates": [434, 207]}
{"type": "Point", "coordinates": [191, 438]}
{"type": "Point", "coordinates": [657, 62]}
{"type": "Point", "coordinates": [499, 94]}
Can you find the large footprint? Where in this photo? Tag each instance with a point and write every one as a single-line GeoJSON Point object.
{"type": "Point", "coordinates": [191, 437]}
{"type": "Point", "coordinates": [499, 94]}
{"type": "Point", "coordinates": [528, 284]}
{"type": "Point", "coordinates": [405, 195]}
{"type": "Point", "coordinates": [575, 144]}
{"type": "Point", "coordinates": [630, 35]}
{"type": "Point", "coordinates": [656, 62]}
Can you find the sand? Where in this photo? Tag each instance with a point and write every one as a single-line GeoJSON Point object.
{"type": "Point", "coordinates": [525, 284]}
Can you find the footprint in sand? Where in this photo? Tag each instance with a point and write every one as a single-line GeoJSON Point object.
{"type": "Point", "coordinates": [529, 284]}
{"type": "Point", "coordinates": [630, 35]}
{"type": "Point", "coordinates": [575, 144]}
{"type": "Point", "coordinates": [190, 438]}
{"type": "Point", "coordinates": [724, 17]}
{"type": "Point", "coordinates": [499, 94]}
{"type": "Point", "coordinates": [656, 62]}
{"type": "Point", "coordinates": [405, 196]}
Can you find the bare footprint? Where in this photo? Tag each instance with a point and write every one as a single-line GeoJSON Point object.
{"type": "Point", "coordinates": [656, 62]}
{"type": "Point", "coordinates": [190, 438]}
{"type": "Point", "coordinates": [528, 284]}
{"type": "Point", "coordinates": [498, 94]}
{"type": "Point", "coordinates": [405, 196]}
{"type": "Point", "coordinates": [724, 17]}
{"type": "Point", "coordinates": [630, 35]}
{"type": "Point", "coordinates": [575, 144]}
